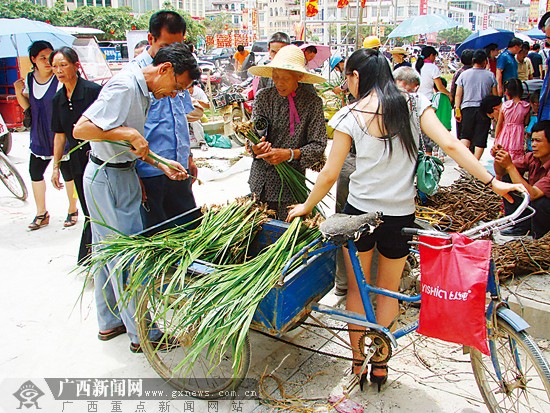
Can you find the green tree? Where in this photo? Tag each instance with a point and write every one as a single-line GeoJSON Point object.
{"type": "Point", "coordinates": [113, 21]}
{"type": "Point", "coordinates": [216, 25]}
{"type": "Point", "coordinates": [453, 36]}
{"type": "Point", "coordinates": [58, 13]}
{"type": "Point", "coordinates": [14, 9]}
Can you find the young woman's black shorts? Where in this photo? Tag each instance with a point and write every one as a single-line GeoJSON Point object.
{"type": "Point", "coordinates": [37, 167]}
{"type": "Point", "coordinates": [387, 237]}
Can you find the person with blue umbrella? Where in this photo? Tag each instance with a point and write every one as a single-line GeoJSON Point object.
{"type": "Point", "coordinates": [507, 65]}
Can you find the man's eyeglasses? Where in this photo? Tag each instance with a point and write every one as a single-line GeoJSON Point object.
{"type": "Point", "coordinates": [179, 87]}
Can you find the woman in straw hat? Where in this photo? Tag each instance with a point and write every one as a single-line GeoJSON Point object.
{"type": "Point", "coordinates": [398, 58]}
{"type": "Point", "coordinates": [296, 126]}
{"type": "Point", "coordinates": [386, 138]}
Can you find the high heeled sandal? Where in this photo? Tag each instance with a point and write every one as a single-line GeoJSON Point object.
{"type": "Point", "coordinates": [71, 219]}
{"type": "Point", "coordinates": [362, 377]}
{"type": "Point", "coordinates": [378, 380]}
{"type": "Point", "coordinates": [39, 221]}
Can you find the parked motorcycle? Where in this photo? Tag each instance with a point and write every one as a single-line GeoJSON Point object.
{"type": "Point", "coordinates": [236, 103]}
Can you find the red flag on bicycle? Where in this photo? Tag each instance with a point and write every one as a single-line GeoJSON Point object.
{"type": "Point", "coordinates": [453, 287]}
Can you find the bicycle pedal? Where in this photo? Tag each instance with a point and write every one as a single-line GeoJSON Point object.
{"type": "Point", "coordinates": [350, 382]}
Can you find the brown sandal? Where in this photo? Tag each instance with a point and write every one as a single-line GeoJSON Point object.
{"type": "Point", "coordinates": [71, 219]}
{"type": "Point", "coordinates": [39, 221]}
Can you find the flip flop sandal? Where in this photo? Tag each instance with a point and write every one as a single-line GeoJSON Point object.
{"type": "Point", "coordinates": [71, 219]}
{"type": "Point", "coordinates": [115, 332]}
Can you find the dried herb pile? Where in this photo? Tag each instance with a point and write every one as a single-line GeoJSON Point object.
{"type": "Point", "coordinates": [522, 257]}
{"type": "Point", "coordinates": [462, 205]}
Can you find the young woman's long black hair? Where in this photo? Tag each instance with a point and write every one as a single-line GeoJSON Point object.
{"type": "Point", "coordinates": [375, 75]}
{"type": "Point", "coordinates": [426, 52]}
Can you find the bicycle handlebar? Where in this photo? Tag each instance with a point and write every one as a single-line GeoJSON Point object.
{"type": "Point", "coordinates": [482, 229]}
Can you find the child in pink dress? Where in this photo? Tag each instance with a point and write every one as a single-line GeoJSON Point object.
{"type": "Point", "coordinates": [511, 121]}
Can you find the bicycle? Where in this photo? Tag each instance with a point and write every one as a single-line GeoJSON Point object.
{"type": "Point", "coordinates": [11, 178]}
{"type": "Point", "coordinates": [516, 377]}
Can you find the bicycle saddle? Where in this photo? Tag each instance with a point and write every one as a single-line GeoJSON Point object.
{"type": "Point", "coordinates": [343, 227]}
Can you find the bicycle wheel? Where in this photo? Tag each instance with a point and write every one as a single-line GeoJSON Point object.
{"type": "Point", "coordinates": [12, 179]}
{"type": "Point", "coordinates": [525, 385]}
{"type": "Point", "coordinates": [208, 376]}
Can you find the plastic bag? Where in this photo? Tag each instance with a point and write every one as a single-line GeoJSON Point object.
{"type": "Point", "coordinates": [217, 141]}
{"type": "Point", "coordinates": [453, 285]}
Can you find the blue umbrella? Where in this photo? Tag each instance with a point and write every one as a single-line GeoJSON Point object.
{"type": "Point", "coordinates": [535, 33]}
{"type": "Point", "coordinates": [424, 24]}
{"type": "Point", "coordinates": [482, 38]}
{"type": "Point", "coordinates": [16, 35]}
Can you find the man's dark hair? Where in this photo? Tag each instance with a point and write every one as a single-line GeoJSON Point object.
{"type": "Point", "coordinates": [240, 48]}
{"type": "Point", "coordinates": [181, 58]}
{"type": "Point", "coordinates": [543, 125]}
{"type": "Point", "coordinates": [466, 57]}
{"type": "Point", "coordinates": [490, 47]}
{"type": "Point", "coordinates": [536, 47]}
{"type": "Point", "coordinates": [166, 19]}
{"type": "Point", "coordinates": [480, 57]}
{"type": "Point", "coordinates": [488, 103]}
{"type": "Point", "coordinates": [525, 46]}
{"type": "Point", "coordinates": [279, 37]}
{"type": "Point", "coordinates": [515, 42]}
{"type": "Point", "coordinates": [311, 49]}
{"type": "Point", "coordinates": [141, 43]}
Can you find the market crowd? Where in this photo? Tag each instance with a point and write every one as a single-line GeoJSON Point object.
{"type": "Point", "coordinates": [125, 147]}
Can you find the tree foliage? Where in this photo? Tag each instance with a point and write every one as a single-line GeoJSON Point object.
{"type": "Point", "coordinates": [115, 22]}
{"type": "Point", "coordinates": [453, 36]}
{"type": "Point", "coordinates": [216, 24]}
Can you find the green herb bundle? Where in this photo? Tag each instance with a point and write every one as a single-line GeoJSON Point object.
{"type": "Point", "coordinates": [214, 311]}
{"type": "Point", "coordinates": [223, 237]}
{"type": "Point", "coordinates": [293, 179]}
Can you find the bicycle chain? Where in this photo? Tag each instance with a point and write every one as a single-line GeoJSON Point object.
{"type": "Point", "coordinates": [324, 353]}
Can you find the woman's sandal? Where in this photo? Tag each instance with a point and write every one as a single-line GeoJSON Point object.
{"type": "Point", "coordinates": [361, 377]}
{"type": "Point", "coordinates": [71, 219]}
{"type": "Point", "coordinates": [379, 380]}
{"type": "Point", "coordinates": [39, 221]}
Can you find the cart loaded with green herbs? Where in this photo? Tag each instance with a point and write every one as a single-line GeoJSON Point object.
{"type": "Point", "coordinates": [204, 278]}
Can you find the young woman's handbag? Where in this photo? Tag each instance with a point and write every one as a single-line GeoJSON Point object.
{"type": "Point", "coordinates": [428, 168]}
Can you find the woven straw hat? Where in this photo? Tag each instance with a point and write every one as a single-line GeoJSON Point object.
{"type": "Point", "coordinates": [399, 50]}
{"type": "Point", "coordinates": [288, 58]}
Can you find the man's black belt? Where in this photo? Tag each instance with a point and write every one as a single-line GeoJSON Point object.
{"type": "Point", "coordinates": [121, 165]}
